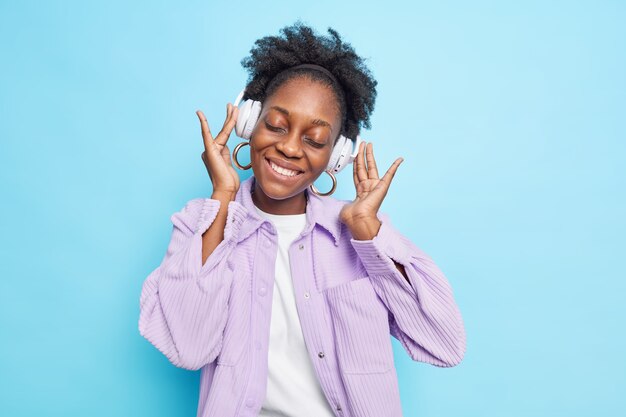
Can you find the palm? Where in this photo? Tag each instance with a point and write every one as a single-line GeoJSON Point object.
{"type": "Point", "coordinates": [218, 159]}
{"type": "Point", "coordinates": [216, 155]}
{"type": "Point", "coordinates": [370, 189]}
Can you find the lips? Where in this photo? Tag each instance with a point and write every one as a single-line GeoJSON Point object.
{"type": "Point", "coordinates": [281, 170]}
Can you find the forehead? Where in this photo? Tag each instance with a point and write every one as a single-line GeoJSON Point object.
{"type": "Point", "coordinates": [303, 97]}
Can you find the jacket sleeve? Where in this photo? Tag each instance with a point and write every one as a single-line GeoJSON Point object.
{"type": "Point", "coordinates": [424, 316]}
{"type": "Point", "coordinates": [184, 304]}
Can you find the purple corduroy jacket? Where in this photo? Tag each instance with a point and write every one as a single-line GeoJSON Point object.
{"type": "Point", "coordinates": [350, 298]}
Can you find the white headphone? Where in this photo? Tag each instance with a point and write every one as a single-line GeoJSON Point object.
{"type": "Point", "coordinates": [344, 151]}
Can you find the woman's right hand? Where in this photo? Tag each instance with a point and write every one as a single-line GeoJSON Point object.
{"type": "Point", "coordinates": [216, 155]}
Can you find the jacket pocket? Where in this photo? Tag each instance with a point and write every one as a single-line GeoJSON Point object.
{"type": "Point", "coordinates": [361, 323]}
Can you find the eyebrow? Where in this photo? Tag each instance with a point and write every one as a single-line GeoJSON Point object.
{"type": "Point", "coordinates": [316, 122]}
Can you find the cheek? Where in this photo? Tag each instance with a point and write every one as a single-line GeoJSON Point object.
{"type": "Point", "coordinates": [257, 143]}
{"type": "Point", "coordinates": [321, 161]}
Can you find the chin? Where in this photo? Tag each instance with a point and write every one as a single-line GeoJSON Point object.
{"type": "Point", "coordinates": [277, 191]}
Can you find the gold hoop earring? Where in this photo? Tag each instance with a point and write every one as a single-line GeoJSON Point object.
{"type": "Point", "coordinates": [236, 151]}
{"type": "Point", "coordinates": [332, 190]}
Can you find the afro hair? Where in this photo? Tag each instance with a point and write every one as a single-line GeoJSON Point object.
{"type": "Point", "coordinates": [271, 57]}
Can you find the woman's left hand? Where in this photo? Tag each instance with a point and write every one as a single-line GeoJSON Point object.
{"type": "Point", "coordinates": [361, 215]}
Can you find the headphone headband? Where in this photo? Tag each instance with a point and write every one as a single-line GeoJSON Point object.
{"type": "Point", "coordinates": [318, 68]}
{"type": "Point", "coordinates": [310, 66]}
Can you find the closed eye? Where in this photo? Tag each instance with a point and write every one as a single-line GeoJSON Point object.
{"type": "Point", "coordinates": [273, 128]}
{"type": "Point", "coordinates": [314, 143]}
{"type": "Point", "coordinates": [280, 129]}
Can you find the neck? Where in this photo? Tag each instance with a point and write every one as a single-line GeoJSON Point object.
{"type": "Point", "coordinates": [291, 205]}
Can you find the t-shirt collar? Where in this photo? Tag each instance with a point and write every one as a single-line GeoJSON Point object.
{"type": "Point", "coordinates": [319, 210]}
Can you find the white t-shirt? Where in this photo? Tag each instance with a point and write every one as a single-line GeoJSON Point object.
{"type": "Point", "coordinates": [292, 387]}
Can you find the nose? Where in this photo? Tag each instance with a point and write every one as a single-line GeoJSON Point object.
{"type": "Point", "coordinates": [290, 145]}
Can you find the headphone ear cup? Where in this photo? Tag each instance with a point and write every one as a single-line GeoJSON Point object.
{"type": "Point", "coordinates": [252, 119]}
{"type": "Point", "coordinates": [246, 120]}
{"type": "Point", "coordinates": [242, 117]}
{"type": "Point", "coordinates": [336, 152]}
{"type": "Point", "coordinates": [340, 155]}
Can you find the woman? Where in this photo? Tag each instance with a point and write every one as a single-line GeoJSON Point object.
{"type": "Point", "coordinates": [283, 297]}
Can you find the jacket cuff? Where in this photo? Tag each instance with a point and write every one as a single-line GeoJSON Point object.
{"type": "Point", "coordinates": [378, 254]}
{"type": "Point", "coordinates": [235, 218]}
{"type": "Point", "coordinates": [208, 213]}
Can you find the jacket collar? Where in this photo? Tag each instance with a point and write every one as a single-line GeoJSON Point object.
{"type": "Point", "coordinates": [320, 210]}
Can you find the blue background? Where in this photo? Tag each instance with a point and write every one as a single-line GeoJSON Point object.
{"type": "Point", "coordinates": [511, 120]}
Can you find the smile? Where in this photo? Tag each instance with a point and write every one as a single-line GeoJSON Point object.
{"type": "Point", "coordinates": [283, 172]}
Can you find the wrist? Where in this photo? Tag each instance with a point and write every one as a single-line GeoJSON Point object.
{"type": "Point", "coordinates": [365, 228]}
{"type": "Point", "coordinates": [223, 196]}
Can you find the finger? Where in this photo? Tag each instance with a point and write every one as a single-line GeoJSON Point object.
{"type": "Point", "coordinates": [220, 135]}
{"type": "Point", "coordinates": [355, 177]}
{"type": "Point", "coordinates": [229, 124]}
{"type": "Point", "coordinates": [226, 155]}
{"type": "Point", "coordinates": [361, 172]}
{"type": "Point", "coordinates": [205, 160]}
{"type": "Point", "coordinates": [206, 132]}
{"type": "Point", "coordinates": [372, 170]}
{"type": "Point", "coordinates": [391, 171]}
{"type": "Point", "coordinates": [228, 114]}
{"type": "Point", "coordinates": [205, 155]}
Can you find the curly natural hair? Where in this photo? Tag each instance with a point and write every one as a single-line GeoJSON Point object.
{"type": "Point", "coordinates": [272, 56]}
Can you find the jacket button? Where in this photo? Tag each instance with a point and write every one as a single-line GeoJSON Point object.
{"type": "Point", "coordinates": [321, 354]}
{"type": "Point", "coordinates": [300, 246]}
{"type": "Point", "coordinates": [262, 291]}
{"type": "Point", "coordinates": [307, 295]}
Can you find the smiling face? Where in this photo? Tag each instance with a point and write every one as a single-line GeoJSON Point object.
{"type": "Point", "coordinates": [292, 142]}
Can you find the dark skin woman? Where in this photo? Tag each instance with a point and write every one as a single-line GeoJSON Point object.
{"type": "Point", "coordinates": [285, 297]}
{"type": "Point", "coordinates": [297, 128]}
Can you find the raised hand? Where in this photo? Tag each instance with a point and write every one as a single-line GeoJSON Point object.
{"type": "Point", "coordinates": [216, 155]}
{"type": "Point", "coordinates": [361, 214]}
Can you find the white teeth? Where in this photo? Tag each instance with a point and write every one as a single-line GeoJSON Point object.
{"type": "Point", "coordinates": [283, 171]}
